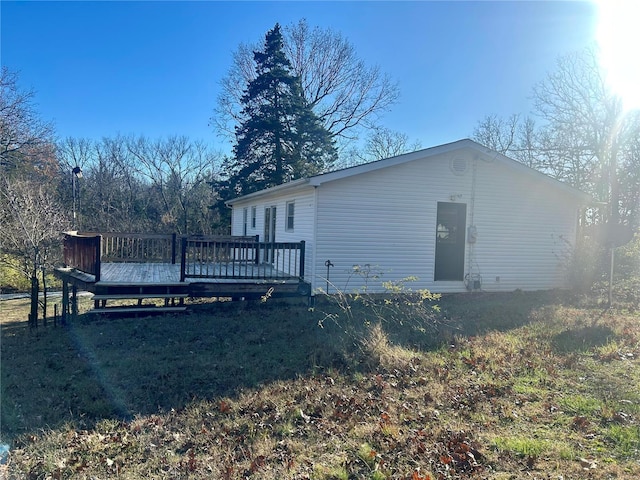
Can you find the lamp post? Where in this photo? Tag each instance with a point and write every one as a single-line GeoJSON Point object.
{"type": "Point", "coordinates": [77, 173]}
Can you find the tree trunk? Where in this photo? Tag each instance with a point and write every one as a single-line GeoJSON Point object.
{"type": "Point", "coordinates": [44, 295]}
{"type": "Point", "coordinates": [33, 316]}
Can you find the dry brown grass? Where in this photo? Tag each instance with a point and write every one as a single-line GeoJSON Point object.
{"type": "Point", "coordinates": [555, 393]}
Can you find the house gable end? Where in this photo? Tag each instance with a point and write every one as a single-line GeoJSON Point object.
{"type": "Point", "coordinates": [457, 151]}
{"type": "Point", "coordinates": [454, 149]}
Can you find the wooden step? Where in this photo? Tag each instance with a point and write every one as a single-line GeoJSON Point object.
{"type": "Point", "coordinates": [145, 309]}
{"type": "Point", "coordinates": [125, 296]}
{"type": "Point", "coordinates": [139, 284]}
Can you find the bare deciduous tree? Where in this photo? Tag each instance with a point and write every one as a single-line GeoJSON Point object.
{"type": "Point", "coordinates": [385, 143]}
{"type": "Point", "coordinates": [585, 137]}
{"type": "Point", "coordinates": [32, 222]}
{"type": "Point", "coordinates": [134, 184]}
{"type": "Point", "coordinates": [511, 136]}
{"type": "Point", "coordinates": [497, 133]}
{"type": "Point", "coordinates": [175, 168]}
{"type": "Point", "coordinates": [586, 127]}
{"type": "Point", "coordinates": [380, 143]}
{"type": "Point", "coordinates": [29, 214]}
{"type": "Point", "coordinates": [24, 136]}
{"type": "Point", "coordinates": [344, 92]}
{"type": "Point", "coordinates": [110, 196]}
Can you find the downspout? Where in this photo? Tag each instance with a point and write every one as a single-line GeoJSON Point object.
{"type": "Point", "coordinates": [314, 246]}
{"type": "Point", "coordinates": [472, 205]}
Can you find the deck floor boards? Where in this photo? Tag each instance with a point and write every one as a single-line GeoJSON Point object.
{"type": "Point", "coordinates": [155, 273]}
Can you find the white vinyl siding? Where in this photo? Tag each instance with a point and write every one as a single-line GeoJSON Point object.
{"type": "Point", "coordinates": [304, 221]}
{"type": "Point", "coordinates": [386, 218]}
{"type": "Point", "coordinates": [524, 231]}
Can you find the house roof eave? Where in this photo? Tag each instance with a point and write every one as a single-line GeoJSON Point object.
{"type": "Point", "coordinates": [492, 155]}
{"type": "Point", "coordinates": [389, 162]}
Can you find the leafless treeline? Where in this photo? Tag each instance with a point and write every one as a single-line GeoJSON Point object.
{"type": "Point", "coordinates": [581, 135]}
{"type": "Point", "coordinates": [138, 184]}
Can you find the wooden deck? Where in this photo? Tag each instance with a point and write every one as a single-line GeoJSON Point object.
{"type": "Point", "coordinates": [129, 267]}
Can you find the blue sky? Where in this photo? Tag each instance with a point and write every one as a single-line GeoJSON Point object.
{"type": "Point", "coordinates": [153, 68]}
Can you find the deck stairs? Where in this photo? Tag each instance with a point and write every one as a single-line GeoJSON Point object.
{"type": "Point", "coordinates": [140, 298]}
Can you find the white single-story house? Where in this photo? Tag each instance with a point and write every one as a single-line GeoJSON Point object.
{"type": "Point", "coordinates": [458, 217]}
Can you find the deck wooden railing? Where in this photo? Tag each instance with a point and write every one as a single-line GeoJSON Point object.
{"type": "Point", "coordinates": [213, 257]}
{"type": "Point", "coordinates": [82, 252]}
{"type": "Point", "coordinates": [241, 258]}
{"type": "Point", "coordinates": [139, 248]}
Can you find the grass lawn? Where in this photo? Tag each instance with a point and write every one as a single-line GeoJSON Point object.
{"type": "Point", "coordinates": [509, 386]}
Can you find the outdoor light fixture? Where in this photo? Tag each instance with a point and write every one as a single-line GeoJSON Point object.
{"type": "Point", "coordinates": [77, 173]}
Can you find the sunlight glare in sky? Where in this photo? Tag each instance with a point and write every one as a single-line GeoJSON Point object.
{"type": "Point", "coordinates": [619, 40]}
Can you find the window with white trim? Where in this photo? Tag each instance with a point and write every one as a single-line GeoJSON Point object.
{"type": "Point", "coordinates": [254, 211]}
{"type": "Point", "coordinates": [290, 216]}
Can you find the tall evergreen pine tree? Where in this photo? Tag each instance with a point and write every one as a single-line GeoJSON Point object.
{"type": "Point", "coordinates": [280, 138]}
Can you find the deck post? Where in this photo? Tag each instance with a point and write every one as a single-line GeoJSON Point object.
{"type": "Point", "coordinates": [301, 268]}
{"type": "Point", "coordinates": [74, 302]}
{"type": "Point", "coordinates": [257, 249]}
{"type": "Point", "coordinates": [98, 247]}
{"type": "Point", "coordinates": [65, 302]}
{"type": "Point", "coordinates": [183, 260]}
{"type": "Point", "coordinates": [174, 239]}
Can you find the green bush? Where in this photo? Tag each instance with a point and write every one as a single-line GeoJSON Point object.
{"type": "Point", "coordinates": [12, 281]}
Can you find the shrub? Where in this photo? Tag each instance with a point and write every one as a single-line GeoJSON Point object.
{"type": "Point", "coordinates": [589, 266]}
{"type": "Point", "coordinates": [627, 272]}
{"type": "Point", "coordinates": [372, 318]}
